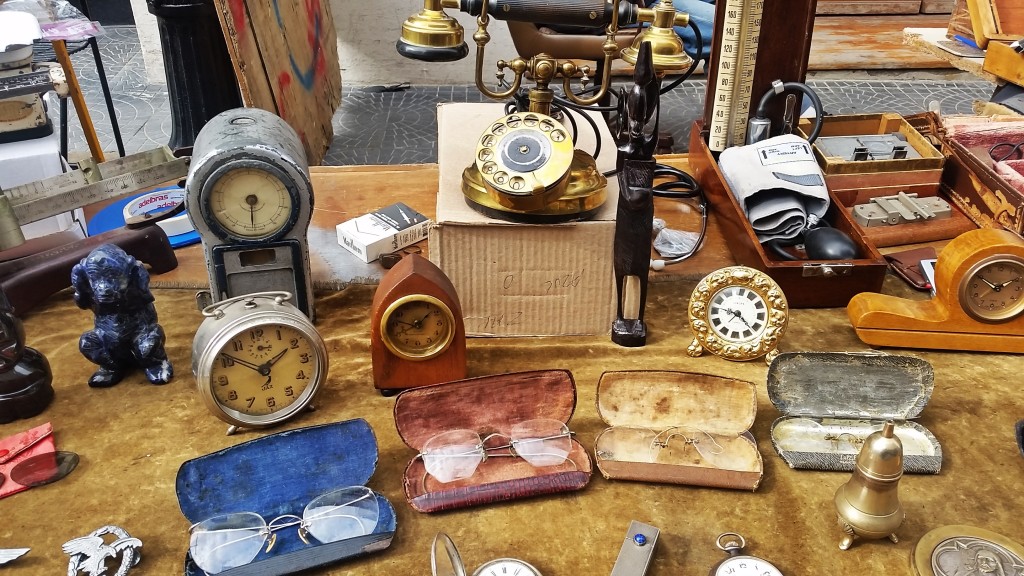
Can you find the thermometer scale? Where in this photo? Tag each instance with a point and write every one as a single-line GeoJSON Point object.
{"type": "Point", "coordinates": [741, 31]}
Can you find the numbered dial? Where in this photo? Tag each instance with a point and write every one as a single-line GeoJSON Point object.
{"type": "Point", "coordinates": [523, 154]}
{"type": "Point", "coordinates": [506, 567]}
{"type": "Point", "coordinates": [264, 370]}
{"type": "Point", "coordinates": [737, 314]}
{"type": "Point", "coordinates": [993, 289]}
{"type": "Point", "coordinates": [250, 203]}
{"type": "Point", "coordinates": [746, 566]}
{"type": "Point", "coordinates": [417, 327]}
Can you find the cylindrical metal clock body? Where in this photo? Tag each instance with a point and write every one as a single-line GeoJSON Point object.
{"type": "Point", "coordinates": [225, 330]}
{"type": "Point", "coordinates": [251, 202]}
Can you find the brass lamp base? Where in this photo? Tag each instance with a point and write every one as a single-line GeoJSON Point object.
{"type": "Point", "coordinates": [584, 195]}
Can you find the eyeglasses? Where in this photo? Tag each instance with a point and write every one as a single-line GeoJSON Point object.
{"type": "Point", "coordinates": [231, 540]}
{"type": "Point", "coordinates": [456, 454]}
{"type": "Point", "coordinates": [706, 445]}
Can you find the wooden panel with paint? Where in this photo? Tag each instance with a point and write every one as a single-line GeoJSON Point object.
{"type": "Point", "coordinates": [286, 60]}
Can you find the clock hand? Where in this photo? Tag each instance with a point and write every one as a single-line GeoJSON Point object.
{"type": "Point", "coordinates": [252, 215]}
{"type": "Point", "coordinates": [274, 360]}
{"type": "Point", "coordinates": [249, 365]}
{"type": "Point", "coordinates": [1008, 282]}
{"type": "Point", "coordinates": [990, 285]}
{"type": "Point", "coordinates": [738, 314]}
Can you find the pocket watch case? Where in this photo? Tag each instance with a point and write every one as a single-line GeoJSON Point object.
{"type": "Point", "coordinates": [832, 401]}
{"type": "Point", "coordinates": [280, 474]}
{"type": "Point", "coordinates": [486, 405]}
{"type": "Point", "coordinates": [678, 428]}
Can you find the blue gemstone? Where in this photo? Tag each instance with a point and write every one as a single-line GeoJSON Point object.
{"type": "Point", "coordinates": [639, 539]}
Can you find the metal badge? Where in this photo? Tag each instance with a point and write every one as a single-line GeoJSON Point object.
{"type": "Point", "coordinates": [89, 553]}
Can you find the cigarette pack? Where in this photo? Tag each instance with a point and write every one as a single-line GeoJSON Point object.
{"type": "Point", "coordinates": [382, 231]}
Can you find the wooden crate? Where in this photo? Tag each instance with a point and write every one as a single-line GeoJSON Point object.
{"type": "Point", "coordinates": [286, 60]}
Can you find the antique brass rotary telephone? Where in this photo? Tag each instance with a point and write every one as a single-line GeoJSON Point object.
{"type": "Point", "coordinates": [525, 167]}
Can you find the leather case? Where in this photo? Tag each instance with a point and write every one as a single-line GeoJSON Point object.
{"type": "Point", "coordinates": [831, 401]}
{"type": "Point", "coordinates": [486, 405]}
{"type": "Point", "coordinates": [679, 428]}
{"type": "Point", "coordinates": [279, 474]}
{"type": "Point", "coordinates": [19, 447]}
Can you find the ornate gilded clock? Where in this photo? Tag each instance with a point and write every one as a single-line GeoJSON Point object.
{"type": "Point", "coordinates": [251, 201]}
{"type": "Point", "coordinates": [417, 334]}
{"type": "Point", "coordinates": [978, 303]}
{"type": "Point", "coordinates": [738, 313]}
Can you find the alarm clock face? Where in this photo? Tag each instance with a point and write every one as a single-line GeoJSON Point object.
{"type": "Point", "coordinates": [745, 566]}
{"type": "Point", "coordinates": [993, 289]}
{"type": "Point", "coordinates": [417, 327]}
{"type": "Point", "coordinates": [265, 372]}
{"type": "Point", "coordinates": [506, 567]}
{"type": "Point", "coordinates": [737, 314]}
{"type": "Point", "coordinates": [250, 202]}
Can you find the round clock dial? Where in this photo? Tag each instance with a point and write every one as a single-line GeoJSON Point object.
{"type": "Point", "coordinates": [264, 370]}
{"type": "Point", "coordinates": [417, 327]}
{"type": "Point", "coordinates": [257, 360]}
{"type": "Point", "coordinates": [250, 203]}
{"type": "Point", "coordinates": [737, 313]}
{"type": "Point", "coordinates": [746, 566]}
{"type": "Point", "coordinates": [506, 567]}
{"type": "Point", "coordinates": [993, 289]}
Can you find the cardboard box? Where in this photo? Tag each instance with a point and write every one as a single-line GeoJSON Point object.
{"type": "Point", "coordinates": [521, 279]}
{"type": "Point", "coordinates": [382, 231]}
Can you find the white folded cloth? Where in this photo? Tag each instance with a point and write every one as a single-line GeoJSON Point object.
{"type": "Point", "coordinates": [778, 184]}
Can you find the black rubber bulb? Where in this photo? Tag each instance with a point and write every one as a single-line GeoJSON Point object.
{"type": "Point", "coordinates": [829, 244]}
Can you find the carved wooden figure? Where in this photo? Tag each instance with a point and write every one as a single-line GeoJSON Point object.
{"type": "Point", "coordinates": [115, 286]}
{"type": "Point", "coordinates": [637, 138]}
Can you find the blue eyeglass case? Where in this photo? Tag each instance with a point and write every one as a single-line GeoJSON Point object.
{"type": "Point", "coordinates": [279, 474]}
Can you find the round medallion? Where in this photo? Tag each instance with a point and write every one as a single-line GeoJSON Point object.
{"type": "Point", "coordinates": [966, 550]}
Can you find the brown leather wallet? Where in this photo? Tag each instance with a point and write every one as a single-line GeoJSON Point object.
{"type": "Point", "coordinates": [907, 265]}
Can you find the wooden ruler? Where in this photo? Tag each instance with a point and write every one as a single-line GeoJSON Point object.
{"type": "Point", "coordinates": [94, 182]}
{"type": "Point", "coordinates": [733, 85]}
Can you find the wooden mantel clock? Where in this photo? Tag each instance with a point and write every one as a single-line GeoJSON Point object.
{"type": "Point", "coordinates": [417, 333]}
{"type": "Point", "coordinates": [978, 303]}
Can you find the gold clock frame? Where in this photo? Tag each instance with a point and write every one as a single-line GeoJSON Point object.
{"type": "Point", "coordinates": [438, 348]}
{"type": "Point", "coordinates": [704, 338]}
{"type": "Point", "coordinates": [227, 318]}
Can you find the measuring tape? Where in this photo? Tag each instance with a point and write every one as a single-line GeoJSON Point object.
{"type": "Point", "coordinates": [741, 30]}
{"type": "Point", "coordinates": [94, 182]}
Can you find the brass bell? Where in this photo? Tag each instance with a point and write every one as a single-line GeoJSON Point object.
{"type": "Point", "coordinates": [869, 505]}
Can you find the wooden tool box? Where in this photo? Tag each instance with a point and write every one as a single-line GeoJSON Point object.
{"type": "Point", "coordinates": [807, 283]}
{"type": "Point", "coordinates": [678, 428]}
{"type": "Point", "coordinates": [487, 405]}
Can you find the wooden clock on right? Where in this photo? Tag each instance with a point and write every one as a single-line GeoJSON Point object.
{"type": "Point", "coordinates": [978, 303]}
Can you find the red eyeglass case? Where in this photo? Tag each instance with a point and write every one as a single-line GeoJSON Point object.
{"type": "Point", "coordinates": [644, 407]}
{"type": "Point", "coordinates": [486, 405]}
{"type": "Point", "coordinates": [279, 474]}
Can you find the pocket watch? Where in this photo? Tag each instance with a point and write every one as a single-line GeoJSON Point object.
{"type": "Point", "coordinates": [445, 561]}
{"type": "Point", "coordinates": [738, 564]}
{"type": "Point", "coordinates": [257, 360]}
{"type": "Point", "coordinates": [738, 313]}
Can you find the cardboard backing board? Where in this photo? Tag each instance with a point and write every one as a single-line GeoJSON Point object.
{"type": "Point", "coordinates": [521, 279]}
{"type": "Point", "coordinates": [286, 60]}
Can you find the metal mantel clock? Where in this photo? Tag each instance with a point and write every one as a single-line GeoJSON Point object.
{"type": "Point", "coordinates": [257, 360]}
{"type": "Point", "coordinates": [251, 201]}
{"type": "Point", "coordinates": [738, 313]}
{"type": "Point", "coordinates": [978, 303]}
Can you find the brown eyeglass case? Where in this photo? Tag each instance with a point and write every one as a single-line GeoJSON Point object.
{"type": "Point", "coordinates": [487, 405]}
{"type": "Point", "coordinates": [646, 408]}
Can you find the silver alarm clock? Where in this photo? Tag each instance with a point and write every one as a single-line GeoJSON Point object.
{"type": "Point", "coordinates": [251, 202]}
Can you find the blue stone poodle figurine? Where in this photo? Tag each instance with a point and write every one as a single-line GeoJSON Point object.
{"type": "Point", "coordinates": [115, 286]}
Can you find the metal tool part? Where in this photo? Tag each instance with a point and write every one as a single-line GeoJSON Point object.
{"type": "Point", "coordinates": [893, 146]}
{"type": "Point", "coordinates": [637, 550]}
{"type": "Point", "coordinates": [94, 182]}
{"type": "Point", "coordinates": [900, 209]}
